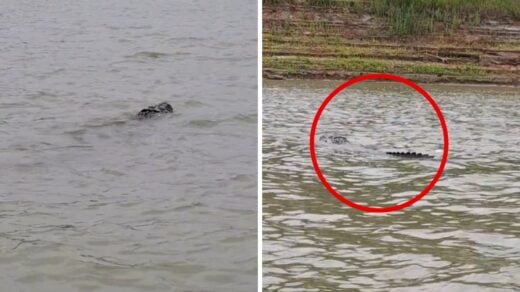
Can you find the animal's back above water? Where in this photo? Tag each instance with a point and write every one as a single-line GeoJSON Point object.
{"type": "Point", "coordinates": [155, 110]}
{"type": "Point", "coordinates": [408, 154]}
{"type": "Point", "coordinates": [340, 140]}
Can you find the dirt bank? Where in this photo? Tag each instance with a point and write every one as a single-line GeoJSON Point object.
{"type": "Point", "coordinates": [311, 42]}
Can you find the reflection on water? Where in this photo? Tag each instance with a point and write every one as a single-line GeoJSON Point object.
{"type": "Point", "coordinates": [92, 199]}
{"type": "Point", "coordinates": [463, 236]}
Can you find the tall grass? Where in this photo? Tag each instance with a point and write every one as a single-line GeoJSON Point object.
{"type": "Point", "coordinates": [408, 17]}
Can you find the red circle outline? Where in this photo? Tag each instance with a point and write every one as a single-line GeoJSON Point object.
{"type": "Point", "coordinates": [426, 190]}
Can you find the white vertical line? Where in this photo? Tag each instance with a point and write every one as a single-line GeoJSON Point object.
{"type": "Point", "coordinates": [259, 183]}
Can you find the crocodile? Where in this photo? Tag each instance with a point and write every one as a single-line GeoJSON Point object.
{"type": "Point", "coordinates": [155, 110]}
{"type": "Point", "coordinates": [339, 140]}
{"type": "Point", "coordinates": [408, 154]}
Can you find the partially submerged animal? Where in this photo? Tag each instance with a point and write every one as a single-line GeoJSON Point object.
{"type": "Point", "coordinates": [155, 110]}
{"type": "Point", "coordinates": [334, 139]}
{"type": "Point", "coordinates": [339, 140]}
{"type": "Point", "coordinates": [415, 155]}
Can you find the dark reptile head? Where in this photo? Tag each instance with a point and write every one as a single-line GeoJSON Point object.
{"type": "Point", "coordinates": [334, 139]}
{"type": "Point", "coordinates": [164, 107]}
{"type": "Point", "coordinates": [155, 110]}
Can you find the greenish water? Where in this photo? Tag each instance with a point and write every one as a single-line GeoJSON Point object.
{"type": "Point", "coordinates": [463, 236]}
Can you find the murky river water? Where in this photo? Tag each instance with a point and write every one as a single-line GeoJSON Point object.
{"type": "Point", "coordinates": [92, 199]}
{"type": "Point", "coordinates": [463, 236]}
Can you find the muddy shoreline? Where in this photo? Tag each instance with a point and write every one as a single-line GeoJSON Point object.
{"type": "Point", "coordinates": [301, 42]}
{"type": "Point", "coordinates": [270, 74]}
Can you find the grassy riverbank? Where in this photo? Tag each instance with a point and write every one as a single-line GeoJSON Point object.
{"type": "Point", "coordinates": [426, 40]}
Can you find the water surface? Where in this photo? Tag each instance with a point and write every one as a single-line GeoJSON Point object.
{"type": "Point", "coordinates": [92, 199]}
{"type": "Point", "coordinates": [463, 236]}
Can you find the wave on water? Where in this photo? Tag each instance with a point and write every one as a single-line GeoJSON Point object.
{"type": "Point", "coordinates": [155, 55]}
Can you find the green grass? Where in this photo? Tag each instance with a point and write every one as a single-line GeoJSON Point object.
{"type": "Point", "coordinates": [301, 65]}
{"type": "Point", "coordinates": [412, 17]}
{"type": "Point", "coordinates": [513, 46]}
{"type": "Point", "coordinates": [408, 17]}
{"type": "Point", "coordinates": [340, 50]}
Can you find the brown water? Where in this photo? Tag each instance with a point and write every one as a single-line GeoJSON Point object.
{"type": "Point", "coordinates": [92, 199]}
{"type": "Point", "coordinates": [463, 236]}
